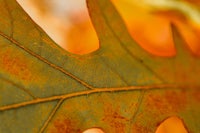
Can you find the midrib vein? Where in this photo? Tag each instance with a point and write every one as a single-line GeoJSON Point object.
{"type": "Point", "coordinates": [87, 92]}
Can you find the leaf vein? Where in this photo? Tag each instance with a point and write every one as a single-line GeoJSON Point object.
{"type": "Point", "coordinates": [11, 17]}
{"type": "Point", "coordinates": [108, 66]}
{"type": "Point", "coordinates": [128, 51]}
{"type": "Point", "coordinates": [56, 67]}
{"type": "Point", "coordinates": [51, 116]}
{"type": "Point", "coordinates": [87, 92]}
{"type": "Point", "coordinates": [18, 86]}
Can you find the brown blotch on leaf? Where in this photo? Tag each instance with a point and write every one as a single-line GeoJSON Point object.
{"type": "Point", "coordinates": [15, 66]}
{"type": "Point", "coordinates": [196, 95]}
{"type": "Point", "coordinates": [170, 101]}
{"type": "Point", "coordinates": [177, 100]}
{"type": "Point", "coordinates": [115, 120]}
{"type": "Point", "coordinates": [139, 129]}
{"type": "Point", "coordinates": [65, 126]}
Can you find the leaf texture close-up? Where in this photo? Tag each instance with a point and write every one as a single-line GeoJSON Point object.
{"type": "Point", "coordinates": [119, 88]}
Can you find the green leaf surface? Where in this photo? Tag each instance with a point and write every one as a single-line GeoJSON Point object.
{"type": "Point", "coordinates": [120, 87]}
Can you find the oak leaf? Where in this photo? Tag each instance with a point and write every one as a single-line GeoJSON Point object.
{"type": "Point", "coordinates": [118, 88]}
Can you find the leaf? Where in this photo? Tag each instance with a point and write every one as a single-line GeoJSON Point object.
{"type": "Point", "coordinates": [119, 88]}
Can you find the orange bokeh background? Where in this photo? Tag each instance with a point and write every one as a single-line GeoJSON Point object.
{"type": "Point", "coordinates": [149, 26]}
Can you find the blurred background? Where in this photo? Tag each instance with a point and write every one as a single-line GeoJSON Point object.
{"type": "Point", "coordinates": [148, 21]}
{"type": "Point", "coordinates": [66, 21]}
